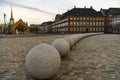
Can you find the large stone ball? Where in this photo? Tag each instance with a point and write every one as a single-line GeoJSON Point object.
{"type": "Point", "coordinates": [42, 61]}
{"type": "Point", "coordinates": [70, 41]}
{"type": "Point", "coordinates": [62, 46]}
{"type": "Point", "coordinates": [77, 37]}
{"type": "Point", "coordinates": [74, 37]}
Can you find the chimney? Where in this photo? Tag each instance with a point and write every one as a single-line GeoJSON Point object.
{"type": "Point", "coordinates": [91, 7]}
{"type": "Point", "coordinates": [74, 6]}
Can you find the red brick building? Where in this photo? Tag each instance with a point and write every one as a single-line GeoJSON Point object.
{"type": "Point", "coordinates": [79, 20]}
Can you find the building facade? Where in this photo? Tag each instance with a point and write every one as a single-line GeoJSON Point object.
{"type": "Point", "coordinates": [110, 14]}
{"type": "Point", "coordinates": [115, 24]}
{"type": "Point", "coordinates": [79, 20]}
{"type": "Point", "coordinates": [43, 28]}
{"type": "Point", "coordinates": [19, 27]}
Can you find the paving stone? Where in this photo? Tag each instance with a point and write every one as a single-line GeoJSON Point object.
{"type": "Point", "coordinates": [93, 58]}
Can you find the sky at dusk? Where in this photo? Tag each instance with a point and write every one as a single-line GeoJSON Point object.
{"type": "Point", "coordinates": [38, 11]}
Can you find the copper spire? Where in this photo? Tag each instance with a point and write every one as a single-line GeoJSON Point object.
{"type": "Point", "coordinates": [11, 13]}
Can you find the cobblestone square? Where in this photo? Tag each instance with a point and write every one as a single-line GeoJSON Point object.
{"type": "Point", "coordinates": [93, 58]}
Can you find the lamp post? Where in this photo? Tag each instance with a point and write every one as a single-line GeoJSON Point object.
{"type": "Point", "coordinates": [5, 24]}
{"type": "Point", "coordinates": [87, 27]}
{"type": "Point", "coordinates": [118, 27]}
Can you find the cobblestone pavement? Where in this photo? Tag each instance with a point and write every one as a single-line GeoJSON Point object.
{"type": "Point", "coordinates": [13, 52]}
{"type": "Point", "coordinates": [93, 58]}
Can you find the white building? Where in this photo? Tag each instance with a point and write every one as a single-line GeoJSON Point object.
{"type": "Point", "coordinates": [115, 24]}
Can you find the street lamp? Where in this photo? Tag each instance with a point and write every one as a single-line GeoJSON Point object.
{"type": "Point", "coordinates": [5, 24]}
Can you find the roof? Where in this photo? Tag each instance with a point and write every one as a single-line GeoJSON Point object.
{"type": "Point", "coordinates": [104, 10]}
{"type": "Point", "coordinates": [111, 11]}
{"type": "Point", "coordinates": [47, 23]}
{"type": "Point", "coordinates": [20, 23]}
{"type": "Point", "coordinates": [81, 12]}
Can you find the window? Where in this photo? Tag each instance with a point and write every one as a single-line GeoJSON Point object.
{"type": "Point", "coordinates": [61, 24]}
{"type": "Point", "coordinates": [58, 25]}
{"type": "Point", "coordinates": [74, 23]}
{"type": "Point", "coordinates": [80, 18]}
{"type": "Point", "coordinates": [74, 28]}
{"type": "Point", "coordinates": [77, 28]}
{"type": "Point", "coordinates": [93, 23]}
{"type": "Point", "coordinates": [71, 18]}
{"type": "Point", "coordinates": [90, 29]}
{"type": "Point", "coordinates": [102, 29]}
{"type": "Point", "coordinates": [102, 18]}
{"type": "Point", "coordinates": [66, 24]}
{"type": "Point", "coordinates": [74, 18]}
{"type": "Point", "coordinates": [80, 29]}
{"type": "Point", "coordinates": [71, 23]}
{"type": "Point", "coordinates": [83, 23]}
{"type": "Point", "coordinates": [90, 23]}
{"type": "Point", "coordinates": [83, 18]}
{"type": "Point", "coordinates": [93, 29]}
{"type": "Point", "coordinates": [87, 18]}
{"type": "Point", "coordinates": [97, 18]}
{"type": "Point", "coordinates": [83, 29]}
{"type": "Point", "coordinates": [99, 29]}
{"type": "Point", "coordinates": [71, 29]}
{"type": "Point", "coordinates": [97, 24]}
{"type": "Point", "coordinates": [87, 23]}
{"type": "Point", "coordinates": [90, 18]}
{"type": "Point", "coordinates": [80, 23]}
{"type": "Point", "coordinates": [77, 23]}
{"type": "Point", "coordinates": [93, 18]}
{"type": "Point", "coordinates": [102, 23]}
{"type": "Point", "coordinates": [66, 29]}
{"type": "Point", "coordinates": [96, 29]}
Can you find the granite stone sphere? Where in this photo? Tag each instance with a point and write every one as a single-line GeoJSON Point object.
{"type": "Point", "coordinates": [70, 41]}
{"type": "Point", "coordinates": [62, 46]}
{"type": "Point", "coordinates": [81, 36]}
{"type": "Point", "coordinates": [42, 61]}
{"type": "Point", "coordinates": [75, 39]}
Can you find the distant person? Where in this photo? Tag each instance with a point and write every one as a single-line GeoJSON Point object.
{"type": "Point", "coordinates": [62, 33]}
{"type": "Point", "coordinates": [16, 31]}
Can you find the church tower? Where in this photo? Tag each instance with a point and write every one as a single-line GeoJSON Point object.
{"type": "Point", "coordinates": [11, 18]}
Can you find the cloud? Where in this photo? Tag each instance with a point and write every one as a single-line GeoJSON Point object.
{"type": "Point", "coordinates": [27, 7]}
{"type": "Point", "coordinates": [2, 2]}
{"type": "Point", "coordinates": [33, 8]}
